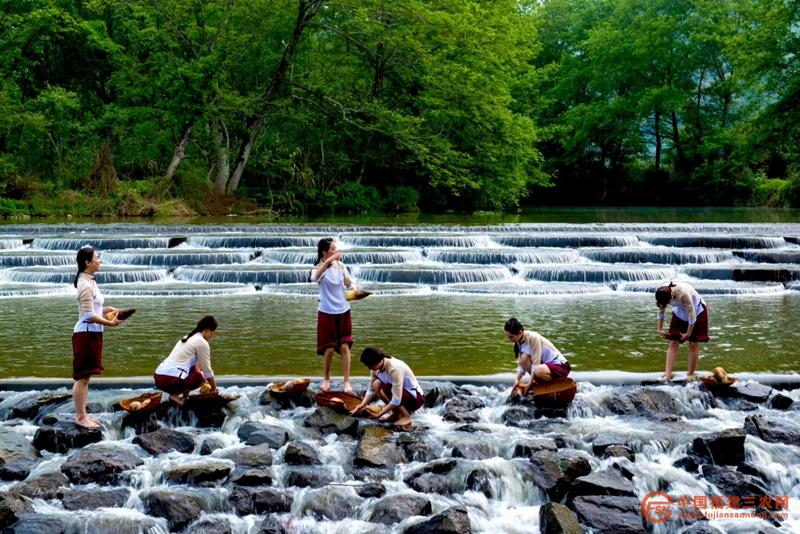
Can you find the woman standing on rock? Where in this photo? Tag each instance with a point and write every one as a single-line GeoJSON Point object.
{"type": "Point", "coordinates": [689, 323]}
{"type": "Point", "coordinates": [334, 322]}
{"type": "Point", "coordinates": [536, 356]}
{"type": "Point", "coordinates": [392, 381]}
{"type": "Point", "coordinates": [188, 366]}
{"type": "Point", "coordinates": [87, 335]}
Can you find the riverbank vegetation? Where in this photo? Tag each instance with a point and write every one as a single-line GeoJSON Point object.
{"type": "Point", "coordinates": [174, 107]}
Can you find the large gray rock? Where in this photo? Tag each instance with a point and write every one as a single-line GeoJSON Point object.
{"type": "Point", "coordinates": [377, 448]}
{"type": "Point", "coordinates": [179, 508]}
{"type": "Point", "coordinates": [65, 435]}
{"type": "Point", "coordinates": [454, 520]}
{"type": "Point", "coordinates": [256, 433]}
{"type": "Point", "coordinates": [607, 513]}
{"type": "Point", "coordinates": [301, 453]}
{"type": "Point", "coordinates": [432, 477]}
{"type": "Point", "coordinates": [92, 499]}
{"type": "Point", "coordinates": [555, 518]}
{"type": "Point", "coordinates": [441, 393]}
{"type": "Point", "coordinates": [547, 474]}
{"type": "Point", "coordinates": [307, 477]}
{"type": "Point", "coordinates": [17, 455]}
{"type": "Point", "coordinates": [210, 525]}
{"type": "Point", "coordinates": [753, 391]}
{"type": "Point", "coordinates": [36, 523]}
{"type": "Point", "coordinates": [252, 477]}
{"type": "Point", "coordinates": [781, 402]}
{"type": "Point", "coordinates": [519, 416]}
{"type": "Point", "coordinates": [396, 508]}
{"type": "Point", "coordinates": [772, 429]}
{"type": "Point", "coordinates": [604, 440]}
{"type": "Point", "coordinates": [165, 440]}
{"type": "Point", "coordinates": [257, 456]}
{"type": "Point", "coordinates": [205, 472]}
{"type": "Point", "coordinates": [327, 421]}
{"type": "Point", "coordinates": [210, 445]}
{"type": "Point", "coordinates": [480, 480]}
{"type": "Point", "coordinates": [12, 508]}
{"type": "Point", "coordinates": [463, 409]}
{"type": "Point", "coordinates": [332, 503]}
{"type": "Point", "coordinates": [644, 401]}
{"type": "Point", "coordinates": [573, 463]}
{"type": "Point", "coordinates": [473, 451]}
{"type": "Point", "coordinates": [46, 486]}
{"type": "Point", "coordinates": [418, 446]}
{"type": "Point", "coordinates": [721, 448]}
{"type": "Point", "coordinates": [603, 483]}
{"type": "Point", "coordinates": [731, 482]}
{"type": "Point", "coordinates": [30, 407]}
{"type": "Point", "coordinates": [100, 464]}
{"type": "Point", "coordinates": [260, 500]}
{"type": "Point", "coordinates": [529, 446]}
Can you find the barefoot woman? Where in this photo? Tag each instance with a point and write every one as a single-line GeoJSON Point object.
{"type": "Point", "coordinates": [87, 336]}
{"type": "Point", "coordinates": [188, 366]}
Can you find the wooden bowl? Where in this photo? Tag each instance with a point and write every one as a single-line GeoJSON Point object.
{"type": "Point", "coordinates": [716, 387]}
{"type": "Point", "coordinates": [556, 393]}
{"type": "Point", "coordinates": [289, 388]}
{"type": "Point", "coordinates": [338, 400]}
{"type": "Point", "coordinates": [357, 294]}
{"type": "Point", "coordinates": [120, 314]}
{"type": "Point", "coordinates": [142, 404]}
{"type": "Point", "coordinates": [210, 401]}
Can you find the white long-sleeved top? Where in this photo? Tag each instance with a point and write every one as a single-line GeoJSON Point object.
{"type": "Point", "coordinates": [332, 297]}
{"type": "Point", "coordinates": [539, 348]}
{"type": "Point", "coordinates": [686, 303]}
{"type": "Point", "coordinates": [399, 375]}
{"type": "Point", "coordinates": [90, 303]}
{"type": "Point", "coordinates": [185, 356]}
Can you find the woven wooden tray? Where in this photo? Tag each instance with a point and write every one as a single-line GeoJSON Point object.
{"type": "Point", "coordinates": [289, 388]}
{"type": "Point", "coordinates": [343, 402]}
{"type": "Point", "coordinates": [142, 404]}
{"type": "Point", "coordinates": [357, 294]}
{"type": "Point", "coordinates": [210, 401]}
{"type": "Point", "coordinates": [715, 387]}
{"type": "Point", "coordinates": [120, 314]}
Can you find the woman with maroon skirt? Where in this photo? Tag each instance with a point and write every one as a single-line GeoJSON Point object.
{"type": "Point", "coordinates": [189, 364]}
{"type": "Point", "coordinates": [87, 335]}
{"type": "Point", "coordinates": [689, 323]}
{"type": "Point", "coordinates": [334, 322]}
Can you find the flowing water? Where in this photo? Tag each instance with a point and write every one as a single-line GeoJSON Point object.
{"type": "Point", "coordinates": [441, 292]}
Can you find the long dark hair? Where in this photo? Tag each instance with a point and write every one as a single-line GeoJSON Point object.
{"type": "Point", "coordinates": [322, 247]}
{"type": "Point", "coordinates": [372, 355]}
{"type": "Point", "coordinates": [513, 326]}
{"type": "Point", "coordinates": [664, 295]}
{"type": "Point", "coordinates": [206, 323]}
{"type": "Point", "coordinates": [85, 255]}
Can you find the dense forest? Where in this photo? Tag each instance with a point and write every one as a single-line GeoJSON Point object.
{"type": "Point", "coordinates": [313, 107]}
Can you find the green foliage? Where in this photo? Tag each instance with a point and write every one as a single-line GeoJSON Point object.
{"type": "Point", "coordinates": [13, 208]}
{"type": "Point", "coordinates": [353, 198]}
{"type": "Point", "coordinates": [401, 199]}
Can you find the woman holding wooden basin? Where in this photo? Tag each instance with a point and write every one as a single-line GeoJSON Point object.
{"type": "Point", "coordinates": [87, 334]}
{"type": "Point", "coordinates": [536, 356]}
{"type": "Point", "coordinates": [188, 366]}
{"type": "Point", "coordinates": [689, 322]}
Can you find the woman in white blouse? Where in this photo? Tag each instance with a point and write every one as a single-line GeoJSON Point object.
{"type": "Point", "coordinates": [189, 364]}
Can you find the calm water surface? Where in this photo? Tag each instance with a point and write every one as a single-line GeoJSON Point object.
{"type": "Point", "coordinates": [437, 334]}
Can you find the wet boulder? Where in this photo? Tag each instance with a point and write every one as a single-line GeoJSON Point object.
{"type": "Point", "coordinates": [529, 446]}
{"type": "Point", "coordinates": [17, 455]}
{"type": "Point", "coordinates": [178, 507]}
{"type": "Point", "coordinates": [721, 448]}
{"type": "Point", "coordinates": [210, 445]}
{"type": "Point", "coordinates": [463, 409]}
{"type": "Point", "coordinates": [729, 482]}
{"type": "Point", "coordinates": [752, 391]}
{"type": "Point", "coordinates": [604, 440]}
{"type": "Point", "coordinates": [102, 464]}
{"type": "Point", "coordinates": [432, 477]}
{"type": "Point", "coordinates": [332, 503]}
{"type": "Point", "coordinates": [396, 508]}
{"type": "Point", "coordinates": [210, 525]}
{"type": "Point", "coordinates": [260, 500]}
{"type": "Point", "coordinates": [255, 456]}
{"type": "Point", "coordinates": [602, 483]}
{"type": "Point", "coordinates": [608, 513]}
{"type": "Point", "coordinates": [619, 451]}
{"type": "Point", "coordinates": [94, 498]}
{"type": "Point", "coordinates": [378, 448]}
{"type": "Point", "coordinates": [30, 407]}
{"type": "Point", "coordinates": [473, 451]}
{"type": "Point", "coordinates": [687, 463]}
{"type": "Point", "coordinates": [546, 473]}
{"type": "Point", "coordinates": [65, 435]}
{"type": "Point", "coordinates": [369, 490]}
{"type": "Point", "coordinates": [303, 399]}
{"type": "Point", "coordinates": [46, 486]}
{"type": "Point", "coordinates": [453, 520]}
{"type": "Point", "coordinates": [307, 477]}
{"type": "Point", "coordinates": [252, 477]}
{"type": "Point", "coordinates": [480, 480]}
{"type": "Point", "coordinates": [519, 416]}
{"type": "Point", "coordinates": [573, 463]}
{"type": "Point", "coordinates": [202, 473]}
{"type": "Point", "coordinates": [327, 421]}
{"type": "Point", "coordinates": [12, 508]}
{"type": "Point", "coordinates": [274, 525]}
{"type": "Point", "coordinates": [556, 518]}
{"type": "Point", "coordinates": [35, 523]}
{"type": "Point", "coordinates": [645, 401]}
{"type": "Point", "coordinates": [772, 429]}
{"type": "Point", "coordinates": [165, 440]}
{"type": "Point", "coordinates": [418, 446]}
{"type": "Point", "coordinates": [257, 433]}
{"type": "Point", "coordinates": [441, 393]}
{"type": "Point", "coordinates": [301, 453]}
{"type": "Point", "coordinates": [780, 402]}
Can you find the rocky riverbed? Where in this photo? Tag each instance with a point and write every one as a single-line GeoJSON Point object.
{"type": "Point", "coordinates": [471, 463]}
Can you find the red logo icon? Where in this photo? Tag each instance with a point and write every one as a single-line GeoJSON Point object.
{"type": "Point", "coordinates": [656, 507]}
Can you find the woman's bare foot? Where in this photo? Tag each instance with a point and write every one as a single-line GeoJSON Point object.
{"type": "Point", "coordinates": [665, 378]}
{"type": "Point", "coordinates": [326, 385]}
{"type": "Point", "coordinates": [348, 388]}
{"type": "Point", "coordinates": [691, 378]}
{"type": "Point", "coordinates": [403, 421]}
{"type": "Point", "coordinates": [176, 399]}
{"type": "Point", "coordinates": [86, 422]}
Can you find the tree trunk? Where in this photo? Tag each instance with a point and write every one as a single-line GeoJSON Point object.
{"type": "Point", "coordinates": [657, 128]}
{"type": "Point", "coordinates": [177, 156]}
{"type": "Point", "coordinates": [676, 139]}
{"type": "Point", "coordinates": [222, 144]}
{"type": "Point", "coordinates": [241, 162]}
